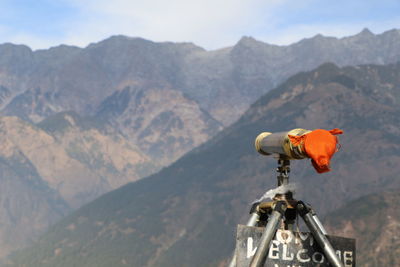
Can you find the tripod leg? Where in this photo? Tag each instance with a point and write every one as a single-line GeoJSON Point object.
{"type": "Point", "coordinates": [318, 233]}
{"type": "Point", "coordinates": [254, 217]}
{"type": "Point", "coordinates": [269, 232]}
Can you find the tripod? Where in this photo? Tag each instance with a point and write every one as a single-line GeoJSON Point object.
{"type": "Point", "coordinates": [284, 209]}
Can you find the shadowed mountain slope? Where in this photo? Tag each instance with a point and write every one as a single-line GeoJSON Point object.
{"type": "Point", "coordinates": [374, 220]}
{"type": "Point", "coordinates": [186, 214]}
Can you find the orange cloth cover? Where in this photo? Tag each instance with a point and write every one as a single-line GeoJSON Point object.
{"type": "Point", "coordinates": [319, 145]}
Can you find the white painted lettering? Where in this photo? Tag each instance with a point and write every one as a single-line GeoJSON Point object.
{"type": "Point", "coordinates": [250, 250]}
{"type": "Point", "coordinates": [273, 252]}
{"type": "Point", "coordinates": [348, 258]}
{"type": "Point", "coordinates": [318, 257]}
{"type": "Point", "coordinates": [304, 237]}
{"type": "Point", "coordinates": [284, 236]}
{"type": "Point", "coordinates": [285, 253]}
{"type": "Point", "coordinates": [339, 254]}
{"type": "Point", "coordinates": [300, 258]}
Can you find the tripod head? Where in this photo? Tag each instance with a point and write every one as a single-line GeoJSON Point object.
{"type": "Point", "coordinates": [283, 170]}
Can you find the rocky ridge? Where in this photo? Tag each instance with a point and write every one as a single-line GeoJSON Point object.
{"type": "Point", "coordinates": [51, 168]}
{"type": "Point", "coordinates": [221, 83]}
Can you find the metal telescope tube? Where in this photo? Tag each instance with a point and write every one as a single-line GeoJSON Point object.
{"type": "Point", "coordinates": [279, 143]}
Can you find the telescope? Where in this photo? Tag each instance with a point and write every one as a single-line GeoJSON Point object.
{"type": "Point", "coordinates": [319, 145]}
{"type": "Point", "coordinates": [282, 212]}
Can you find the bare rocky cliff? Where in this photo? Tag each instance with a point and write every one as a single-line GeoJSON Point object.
{"type": "Point", "coordinates": [50, 169]}
{"type": "Point", "coordinates": [164, 123]}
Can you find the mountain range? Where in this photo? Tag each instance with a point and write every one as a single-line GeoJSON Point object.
{"type": "Point", "coordinates": [185, 215]}
{"type": "Point", "coordinates": [217, 85]}
{"type": "Point", "coordinates": [79, 122]}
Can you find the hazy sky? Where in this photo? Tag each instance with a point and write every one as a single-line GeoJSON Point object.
{"type": "Point", "coordinates": [209, 23]}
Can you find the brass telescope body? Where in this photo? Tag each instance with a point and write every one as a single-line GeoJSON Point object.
{"type": "Point", "coordinates": [279, 144]}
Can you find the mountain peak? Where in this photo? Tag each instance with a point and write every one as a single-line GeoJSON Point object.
{"type": "Point", "coordinates": [247, 40]}
{"type": "Point", "coordinates": [119, 40]}
{"type": "Point", "coordinates": [366, 33]}
{"type": "Point", "coordinates": [251, 42]}
{"type": "Point", "coordinates": [318, 36]}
